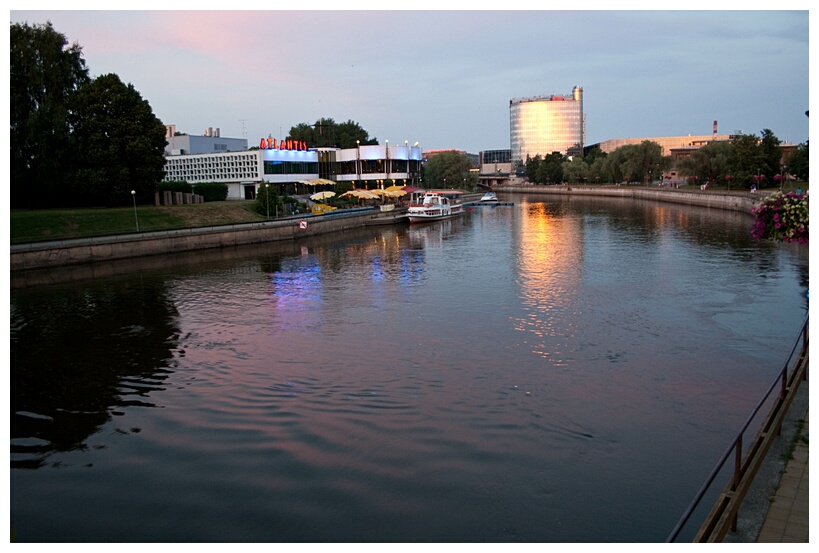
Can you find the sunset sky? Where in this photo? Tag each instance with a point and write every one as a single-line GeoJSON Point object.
{"type": "Point", "coordinates": [445, 78]}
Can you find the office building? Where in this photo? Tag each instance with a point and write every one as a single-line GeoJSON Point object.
{"type": "Point", "coordinates": [546, 124]}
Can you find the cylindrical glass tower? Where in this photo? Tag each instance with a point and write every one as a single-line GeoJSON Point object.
{"type": "Point", "coordinates": [546, 124]}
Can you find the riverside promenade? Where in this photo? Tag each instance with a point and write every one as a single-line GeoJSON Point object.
{"type": "Point", "coordinates": [732, 200]}
{"type": "Point", "coordinates": [788, 519]}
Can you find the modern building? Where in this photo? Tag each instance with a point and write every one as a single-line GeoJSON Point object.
{"type": "Point", "coordinates": [495, 167]}
{"type": "Point", "coordinates": [545, 124]}
{"type": "Point", "coordinates": [294, 168]}
{"type": "Point", "coordinates": [211, 142]}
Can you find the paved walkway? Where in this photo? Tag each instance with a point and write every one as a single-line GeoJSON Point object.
{"type": "Point", "coordinates": [787, 519]}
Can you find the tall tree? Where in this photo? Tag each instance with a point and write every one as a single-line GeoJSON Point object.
{"type": "Point", "coordinates": [551, 170]}
{"type": "Point", "coordinates": [576, 170]}
{"type": "Point", "coordinates": [44, 72]}
{"type": "Point", "coordinates": [709, 163]}
{"type": "Point", "coordinates": [327, 133]}
{"type": "Point", "coordinates": [798, 163]}
{"type": "Point", "coordinates": [532, 166]}
{"type": "Point", "coordinates": [747, 160]}
{"type": "Point", "coordinates": [449, 170]}
{"type": "Point", "coordinates": [771, 154]}
{"type": "Point", "coordinates": [118, 144]}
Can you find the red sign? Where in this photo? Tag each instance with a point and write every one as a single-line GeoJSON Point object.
{"type": "Point", "coordinates": [303, 224]}
{"type": "Point", "coordinates": [272, 144]}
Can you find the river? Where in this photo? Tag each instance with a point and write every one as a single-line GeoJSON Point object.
{"type": "Point", "coordinates": [560, 370]}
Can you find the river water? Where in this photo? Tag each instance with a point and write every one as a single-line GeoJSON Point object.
{"type": "Point", "coordinates": [561, 370]}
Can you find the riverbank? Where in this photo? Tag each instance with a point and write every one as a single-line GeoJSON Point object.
{"type": "Point", "coordinates": [72, 252]}
{"type": "Point", "coordinates": [718, 199]}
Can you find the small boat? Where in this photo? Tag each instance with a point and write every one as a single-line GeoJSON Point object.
{"type": "Point", "coordinates": [433, 207]}
{"type": "Point", "coordinates": [489, 197]}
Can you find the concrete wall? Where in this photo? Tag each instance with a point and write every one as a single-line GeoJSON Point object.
{"type": "Point", "coordinates": [92, 250]}
{"type": "Point", "coordinates": [740, 201]}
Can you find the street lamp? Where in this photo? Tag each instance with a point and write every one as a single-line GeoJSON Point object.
{"type": "Point", "coordinates": [358, 160]}
{"type": "Point", "coordinates": [133, 197]}
{"type": "Point", "coordinates": [267, 198]}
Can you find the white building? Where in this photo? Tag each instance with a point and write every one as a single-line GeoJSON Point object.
{"type": "Point", "coordinates": [297, 169]}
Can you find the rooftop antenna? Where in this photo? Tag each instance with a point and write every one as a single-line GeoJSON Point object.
{"type": "Point", "coordinates": [244, 134]}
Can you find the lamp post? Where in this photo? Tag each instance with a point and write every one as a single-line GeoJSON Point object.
{"type": "Point", "coordinates": [358, 160]}
{"type": "Point", "coordinates": [418, 166]}
{"type": "Point", "coordinates": [388, 157]}
{"type": "Point", "coordinates": [267, 198]}
{"type": "Point", "coordinates": [133, 197]}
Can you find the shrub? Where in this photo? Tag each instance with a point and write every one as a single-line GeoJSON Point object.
{"type": "Point", "coordinates": [210, 191]}
{"type": "Point", "coordinates": [782, 217]}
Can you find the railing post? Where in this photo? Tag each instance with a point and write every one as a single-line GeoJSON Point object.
{"type": "Point", "coordinates": [738, 461]}
{"type": "Point", "coordinates": [737, 477]}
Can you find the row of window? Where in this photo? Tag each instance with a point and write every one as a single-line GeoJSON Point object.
{"type": "Point", "coordinates": [206, 169]}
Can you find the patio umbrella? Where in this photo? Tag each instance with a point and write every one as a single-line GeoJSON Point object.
{"type": "Point", "coordinates": [361, 194]}
{"type": "Point", "coordinates": [395, 188]}
{"type": "Point", "coordinates": [323, 195]}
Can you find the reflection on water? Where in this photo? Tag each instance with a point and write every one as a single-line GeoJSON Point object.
{"type": "Point", "coordinates": [553, 371]}
{"type": "Point", "coordinates": [79, 357]}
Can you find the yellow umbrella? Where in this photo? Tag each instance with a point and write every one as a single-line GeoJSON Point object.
{"type": "Point", "coordinates": [361, 194]}
{"type": "Point", "coordinates": [323, 195]}
{"type": "Point", "coordinates": [395, 188]}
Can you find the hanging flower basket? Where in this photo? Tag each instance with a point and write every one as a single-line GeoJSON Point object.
{"type": "Point", "coordinates": [782, 217]}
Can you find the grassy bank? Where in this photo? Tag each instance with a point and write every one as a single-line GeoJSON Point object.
{"type": "Point", "coordinates": [59, 224]}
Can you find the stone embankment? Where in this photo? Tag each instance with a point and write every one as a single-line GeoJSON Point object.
{"type": "Point", "coordinates": [735, 201]}
{"type": "Point", "coordinates": [109, 248]}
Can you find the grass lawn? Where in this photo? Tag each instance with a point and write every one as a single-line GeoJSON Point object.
{"type": "Point", "coordinates": [57, 224]}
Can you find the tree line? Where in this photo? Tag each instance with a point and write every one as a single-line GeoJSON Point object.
{"type": "Point", "coordinates": [743, 161]}
{"type": "Point", "coordinates": [76, 141]}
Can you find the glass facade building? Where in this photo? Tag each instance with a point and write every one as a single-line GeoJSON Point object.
{"type": "Point", "coordinates": [546, 124]}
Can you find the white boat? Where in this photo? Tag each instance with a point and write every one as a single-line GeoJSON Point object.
{"type": "Point", "coordinates": [489, 197]}
{"type": "Point", "coordinates": [433, 207]}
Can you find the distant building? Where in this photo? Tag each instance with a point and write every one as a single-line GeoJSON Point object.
{"type": "Point", "coordinates": [669, 144]}
{"type": "Point", "coordinates": [495, 167]}
{"type": "Point", "coordinates": [211, 142]}
{"type": "Point", "coordinates": [546, 124]}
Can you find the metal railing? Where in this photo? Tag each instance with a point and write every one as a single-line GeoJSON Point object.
{"type": "Point", "coordinates": [724, 513]}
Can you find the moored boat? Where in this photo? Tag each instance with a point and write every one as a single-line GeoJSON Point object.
{"type": "Point", "coordinates": [433, 207]}
{"type": "Point", "coordinates": [489, 197]}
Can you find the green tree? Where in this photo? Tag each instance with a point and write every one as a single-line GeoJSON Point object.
{"type": "Point", "coordinates": [747, 160]}
{"type": "Point", "coordinates": [118, 144]}
{"type": "Point", "coordinates": [710, 163]}
{"type": "Point", "coordinates": [267, 201]}
{"type": "Point", "coordinates": [576, 170]}
{"type": "Point", "coordinates": [798, 163]}
{"type": "Point", "coordinates": [44, 72]}
{"type": "Point", "coordinates": [532, 167]}
{"type": "Point", "coordinates": [551, 170]}
{"type": "Point", "coordinates": [771, 155]}
{"type": "Point", "coordinates": [327, 133]}
{"type": "Point", "coordinates": [597, 170]}
{"type": "Point", "coordinates": [449, 170]}
{"type": "Point", "coordinates": [613, 165]}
